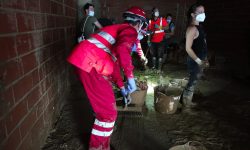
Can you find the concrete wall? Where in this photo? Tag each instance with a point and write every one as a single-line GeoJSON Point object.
{"type": "Point", "coordinates": [35, 38]}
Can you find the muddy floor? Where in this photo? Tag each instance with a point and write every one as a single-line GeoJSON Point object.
{"type": "Point", "coordinates": [221, 121]}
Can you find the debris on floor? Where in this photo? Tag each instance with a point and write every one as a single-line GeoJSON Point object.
{"type": "Point", "coordinates": [220, 122]}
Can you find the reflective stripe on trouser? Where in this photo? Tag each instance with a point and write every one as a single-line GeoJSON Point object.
{"type": "Point", "coordinates": [102, 100]}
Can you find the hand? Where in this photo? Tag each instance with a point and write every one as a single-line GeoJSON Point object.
{"type": "Point", "coordinates": [200, 62]}
{"type": "Point", "coordinates": [206, 62]}
{"type": "Point", "coordinates": [144, 60]}
{"type": "Point", "coordinates": [124, 92]}
{"type": "Point", "coordinates": [131, 85]}
{"type": "Point", "coordinates": [203, 64]}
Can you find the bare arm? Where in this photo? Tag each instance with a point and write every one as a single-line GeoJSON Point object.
{"type": "Point", "coordinates": [99, 26]}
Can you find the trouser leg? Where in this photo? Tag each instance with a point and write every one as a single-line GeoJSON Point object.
{"type": "Point", "coordinates": [102, 100]}
{"type": "Point", "coordinates": [154, 49]}
{"type": "Point", "coordinates": [160, 55]}
{"type": "Point", "coordinates": [194, 75]}
{"type": "Point", "coordinates": [154, 62]}
{"type": "Point", "coordinates": [160, 62]}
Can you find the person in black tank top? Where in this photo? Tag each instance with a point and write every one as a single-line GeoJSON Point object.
{"type": "Point", "coordinates": [196, 48]}
{"type": "Point", "coordinates": [199, 45]}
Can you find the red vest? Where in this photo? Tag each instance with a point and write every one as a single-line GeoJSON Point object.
{"type": "Point", "coordinates": [158, 33]}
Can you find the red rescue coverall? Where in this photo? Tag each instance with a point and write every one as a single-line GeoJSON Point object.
{"type": "Point", "coordinates": [99, 60]}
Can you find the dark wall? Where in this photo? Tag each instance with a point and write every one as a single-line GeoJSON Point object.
{"type": "Point", "coordinates": [113, 9]}
{"type": "Point", "coordinates": [227, 26]}
{"type": "Point", "coordinates": [35, 37]}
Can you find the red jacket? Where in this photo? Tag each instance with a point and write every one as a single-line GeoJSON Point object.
{"type": "Point", "coordinates": [107, 51]}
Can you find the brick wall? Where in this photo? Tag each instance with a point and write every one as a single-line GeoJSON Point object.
{"type": "Point", "coordinates": [228, 31]}
{"type": "Point", "coordinates": [113, 9]}
{"type": "Point", "coordinates": [35, 38]}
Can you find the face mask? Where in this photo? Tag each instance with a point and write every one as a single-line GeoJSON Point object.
{"type": "Point", "coordinates": [91, 13]}
{"type": "Point", "coordinates": [168, 20]}
{"type": "Point", "coordinates": [157, 14]}
{"type": "Point", "coordinates": [201, 17]}
{"type": "Point", "coordinates": [140, 36]}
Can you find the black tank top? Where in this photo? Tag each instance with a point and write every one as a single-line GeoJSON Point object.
{"type": "Point", "coordinates": [199, 44]}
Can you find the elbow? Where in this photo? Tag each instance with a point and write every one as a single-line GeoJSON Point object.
{"type": "Point", "coordinates": [188, 49]}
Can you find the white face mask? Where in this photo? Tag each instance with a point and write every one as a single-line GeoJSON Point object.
{"type": "Point", "coordinates": [201, 17]}
{"type": "Point", "coordinates": [140, 36]}
{"type": "Point", "coordinates": [91, 13]}
{"type": "Point", "coordinates": [157, 13]}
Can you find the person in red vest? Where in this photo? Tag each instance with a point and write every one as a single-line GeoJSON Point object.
{"type": "Point", "coordinates": [98, 61]}
{"type": "Point", "coordinates": [156, 26]}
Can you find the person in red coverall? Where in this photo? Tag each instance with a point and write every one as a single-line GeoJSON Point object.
{"type": "Point", "coordinates": [157, 25]}
{"type": "Point", "coordinates": [98, 60]}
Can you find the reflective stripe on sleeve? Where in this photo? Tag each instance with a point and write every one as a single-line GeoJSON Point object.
{"type": "Point", "coordinates": [101, 133]}
{"type": "Point", "coordinates": [104, 124]}
{"type": "Point", "coordinates": [101, 46]}
{"type": "Point", "coordinates": [107, 36]}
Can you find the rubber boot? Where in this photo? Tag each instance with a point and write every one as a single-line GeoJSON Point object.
{"type": "Point", "coordinates": [154, 62]}
{"type": "Point", "coordinates": [188, 105]}
{"type": "Point", "coordinates": [187, 101]}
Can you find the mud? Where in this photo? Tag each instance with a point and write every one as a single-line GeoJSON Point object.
{"type": "Point", "coordinates": [221, 121]}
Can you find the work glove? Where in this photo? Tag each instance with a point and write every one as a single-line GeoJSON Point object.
{"type": "Point", "coordinates": [134, 47]}
{"type": "Point", "coordinates": [124, 92]}
{"type": "Point", "coordinates": [131, 85]}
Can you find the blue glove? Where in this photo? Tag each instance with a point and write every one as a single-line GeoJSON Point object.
{"type": "Point", "coordinates": [124, 92]}
{"type": "Point", "coordinates": [134, 47]}
{"type": "Point", "coordinates": [131, 85]}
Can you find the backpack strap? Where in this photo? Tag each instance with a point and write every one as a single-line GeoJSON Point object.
{"type": "Point", "coordinates": [84, 24]}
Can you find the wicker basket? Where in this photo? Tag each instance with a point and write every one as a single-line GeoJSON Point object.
{"type": "Point", "coordinates": [138, 97]}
